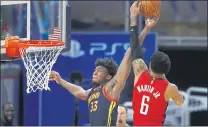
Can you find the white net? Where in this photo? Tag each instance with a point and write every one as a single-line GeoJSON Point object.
{"type": "Point", "coordinates": [38, 62]}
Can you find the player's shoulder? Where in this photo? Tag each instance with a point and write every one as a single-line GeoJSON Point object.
{"type": "Point", "coordinates": [172, 87]}
{"type": "Point", "coordinates": [88, 92]}
{"type": "Point", "coordinates": [170, 90]}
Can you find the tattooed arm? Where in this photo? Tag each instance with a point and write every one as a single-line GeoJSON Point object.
{"type": "Point", "coordinates": [114, 87]}
{"type": "Point", "coordinates": [139, 66]}
{"type": "Point", "coordinates": [137, 52]}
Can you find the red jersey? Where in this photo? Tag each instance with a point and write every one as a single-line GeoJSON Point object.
{"type": "Point", "coordinates": [149, 104]}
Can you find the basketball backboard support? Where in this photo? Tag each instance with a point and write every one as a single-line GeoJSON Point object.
{"type": "Point", "coordinates": [17, 15]}
{"type": "Point", "coordinates": [65, 23]}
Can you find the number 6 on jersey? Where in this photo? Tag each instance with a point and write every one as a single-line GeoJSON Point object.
{"type": "Point", "coordinates": [144, 106]}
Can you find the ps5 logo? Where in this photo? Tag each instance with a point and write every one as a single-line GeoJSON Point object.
{"type": "Point", "coordinates": [95, 47]}
{"type": "Point", "coordinates": [103, 47]}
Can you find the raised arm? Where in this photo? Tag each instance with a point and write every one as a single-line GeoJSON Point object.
{"type": "Point", "coordinates": [138, 64]}
{"type": "Point", "coordinates": [149, 23]}
{"type": "Point", "coordinates": [75, 90]}
{"type": "Point", "coordinates": [115, 86]}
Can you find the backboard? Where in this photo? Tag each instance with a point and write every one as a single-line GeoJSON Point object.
{"type": "Point", "coordinates": [14, 24]}
{"type": "Point", "coordinates": [31, 21]}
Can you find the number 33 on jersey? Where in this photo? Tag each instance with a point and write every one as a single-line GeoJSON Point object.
{"type": "Point", "coordinates": [93, 106]}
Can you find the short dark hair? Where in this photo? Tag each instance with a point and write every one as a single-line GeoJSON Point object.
{"type": "Point", "coordinates": [160, 63]}
{"type": "Point", "coordinates": [121, 105]}
{"type": "Point", "coordinates": [109, 64]}
{"type": "Point", "coordinates": [7, 103]}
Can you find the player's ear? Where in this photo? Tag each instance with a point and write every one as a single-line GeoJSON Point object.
{"type": "Point", "coordinates": [109, 77]}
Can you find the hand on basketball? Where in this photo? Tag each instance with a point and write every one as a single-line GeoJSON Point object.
{"type": "Point", "coordinates": [135, 10]}
{"type": "Point", "coordinates": [151, 22]}
{"type": "Point", "coordinates": [55, 76]}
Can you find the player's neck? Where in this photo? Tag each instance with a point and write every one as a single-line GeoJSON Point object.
{"type": "Point", "coordinates": [154, 75]}
{"type": "Point", "coordinates": [101, 83]}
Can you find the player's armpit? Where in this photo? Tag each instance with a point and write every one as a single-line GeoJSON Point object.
{"type": "Point", "coordinates": [176, 96]}
{"type": "Point", "coordinates": [87, 92]}
{"type": "Point", "coordinates": [82, 94]}
{"type": "Point", "coordinates": [139, 66]}
{"type": "Point", "coordinates": [113, 89]}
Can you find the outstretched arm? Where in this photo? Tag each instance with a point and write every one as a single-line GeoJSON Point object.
{"type": "Point", "coordinates": [143, 34]}
{"type": "Point", "coordinates": [138, 64]}
{"type": "Point", "coordinates": [115, 86]}
{"type": "Point", "coordinates": [75, 90]}
{"type": "Point", "coordinates": [137, 51]}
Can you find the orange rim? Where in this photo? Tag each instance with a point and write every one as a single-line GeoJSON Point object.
{"type": "Point", "coordinates": [13, 44]}
{"type": "Point", "coordinates": [39, 43]}
{"type": "Point", "coordinates": [16, 43]}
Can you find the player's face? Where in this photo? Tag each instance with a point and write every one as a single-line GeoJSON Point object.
{"type": "Point", "coordinates": [100, 74]}
{"type": "Point", "coordinates": [122, 115]}
{"type": "Point", "coordinates": [8, 112]}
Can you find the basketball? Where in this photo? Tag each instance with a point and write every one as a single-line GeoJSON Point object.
{"type": "Point", "coordinates": [150, 8]}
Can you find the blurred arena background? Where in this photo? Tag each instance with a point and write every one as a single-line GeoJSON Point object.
{"type": "Point", "coordinates": [100, 29]}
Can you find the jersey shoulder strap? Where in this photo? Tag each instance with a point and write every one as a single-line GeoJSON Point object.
{"type": "Point", "coordinates": [90, 92]}
{"type": "Point", "coordinates": [142, 75]}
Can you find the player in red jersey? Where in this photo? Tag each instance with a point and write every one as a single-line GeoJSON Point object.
{"type": "Point", "coordinates": [152, 91]}
{"type": "Point", "coordinates": [151, 88]}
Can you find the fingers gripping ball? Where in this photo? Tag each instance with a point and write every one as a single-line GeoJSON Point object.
{"type": "Point", "coordinates": [150, 8]}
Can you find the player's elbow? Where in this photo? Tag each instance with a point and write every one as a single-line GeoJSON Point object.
{"type": "Point", "coordinates": [180, 102]}
{"type": "Point", "coordinates": [81, 94]}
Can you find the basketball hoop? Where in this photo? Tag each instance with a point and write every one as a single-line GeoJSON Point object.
{"type": "Point", "coordinates": [38, 57]}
